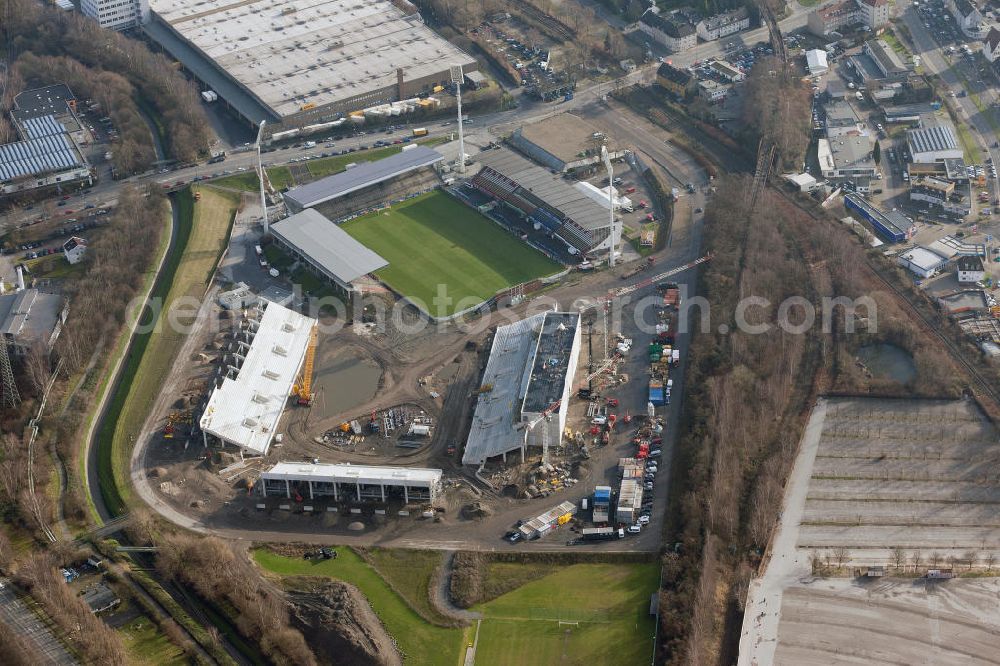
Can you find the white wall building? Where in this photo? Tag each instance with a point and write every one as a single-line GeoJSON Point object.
{"type": "Point", "coordinates": [674, 35]}
{"type": "Point", "coordinates": [933, 144]}
{"type": "Point", "coordinates": [991, 45]}
{"type": "Point", "coordinates": [873, 13]}
{"type": "Point", "coordinates": [816, 62]}
{"type": "Point", "coordinates": [970, 270]}
{"type": "Point", "coordinates": [922, 262]}
{"type": "Point", "coordinates": [304, 482]}
{"type": "Point", "coordinates": [967, 17]}
{"type": "Point", "coordinates": [74, 249]}
{"type": "Point", "coordinates": [116, 14]}
{"type": "Point", "coordinates": [723, 25]}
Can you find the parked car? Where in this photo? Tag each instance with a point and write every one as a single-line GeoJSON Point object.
{"type": "Point", "coordinates": [634, 529]}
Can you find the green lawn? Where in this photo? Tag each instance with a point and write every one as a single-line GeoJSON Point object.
{"type": "Point", "coordinates": [435, 240]}
{"type": "Point", "coordinates": [420, 641]}
{"type": "Point", "coordinates": [146, 644]}
{"type": "Point", "coordinates": [610, 603]}
{"type": "Point", "coordinates": [410, 572]}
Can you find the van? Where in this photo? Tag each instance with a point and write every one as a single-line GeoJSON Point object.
{"type": "Point", "coordinates": [256, 248]}
{"type": "Point", "coordinates": [600, 419]}
{"type": "Point", "coordinates": [906, 176]}
{"type": "Point", "coordinates": [309, 144]}
{"type": "Point", "coordinates": [634, 529]}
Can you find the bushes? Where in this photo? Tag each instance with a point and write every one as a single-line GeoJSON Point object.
{"type": "Point", "coordinates": [467, 573]}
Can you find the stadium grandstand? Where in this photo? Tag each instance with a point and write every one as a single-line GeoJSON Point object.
{"type": "Point", "coordinates": [528, 376]}
{"type": "Point", "coordinates": [327, 249]}
{"type": "Point", "coordinates": [351, 483]}
{"type": "Point", "coordinates": [369, 184]}
{"type": "Point", "coordinates": [545, 199]}
{"type": "Point", "coordinates": [257, 378]}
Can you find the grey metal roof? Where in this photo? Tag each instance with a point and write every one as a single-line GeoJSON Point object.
{"type": "Point", "coordinates": [37, 156]}
{"type": "Point", "coordinates": [361, 176]}
{"type": "Point", "coordinates": [497, 409]}
{"type": "Point", "coordinates": [327, 246]}
{"type": "Point", "coordinates": [29, 316]}
{"type": "Point", "coordinates": [41, 126]}
{"type": "Point", "coordinates": [550, 188]}
{"type": "Point", "coordinates": [930, 139]}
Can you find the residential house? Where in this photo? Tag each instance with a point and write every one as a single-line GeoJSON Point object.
{"type": "Point", "coordinates": [723, 25]}
{"type": "Point", "coordinates": [991, 45]}
{"type": "Point", "coordinates": [673, 79]}
{"type": "Point", "coordinates": [967, 17]}
{"type": "Point", "coordinates": [674, 35]}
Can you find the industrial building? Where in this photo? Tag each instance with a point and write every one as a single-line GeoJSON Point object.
{"type": "Point", "coordinates": [301, 61]}
{"type": "Point", "coordinates": [941, 193]}
{"type": "Point", "coordinates": [46, 155]}
{"type": "Point", "coordinates": [892, 226]}
{"type": "Point", "coordinates": [563, 142]}
{"type": "Point", "coordinates": [673, 34]}
{"type": "Point", "coordinates": [326, 248]}
{"type": "Point", "coordinates": [841, 119]}
{"type": "Point", "coordinates": [368, 184]}
{"type": "Point", "coordinates": [970, 270]}
{"type": "Point", "coordinates": [933, 144]}
{"type": "Point", "coordinates": [528, 377]}
{"type": "Point", "coordinates": [351, 483]}
{"type": "Point", "coordinates": [55, 100]}
{"type": "Point", "coordinates": [31, 319]}
{"type": "Point", "coordinates": [885, 58]}
{"type": "Point", "coordinates": [545, 199]}
{"type": "Point", "coordinates": [712, 91]}
{"type": "Point", "coordinates": [116, 14]}
{"type": "Point", "coordinates": [950, 169]}
{"type": "Point", "coordinates": [260, 371]}
{"type": "Point", "coordinates": [922, 261]}
{"type": "Point", "coordinates": [848, 157]}
{"type": "Point", "coordinates": [541, 525]}
{"type": "Point", "coordinates": [816, 62]}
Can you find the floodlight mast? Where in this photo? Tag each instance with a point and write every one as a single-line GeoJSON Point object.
{"type": "Point", "coordinates": [456, 78]}
{"type": "Point", "coordinates": [611, 202]}
{"type": "Point", "coordinates": [260, 175]}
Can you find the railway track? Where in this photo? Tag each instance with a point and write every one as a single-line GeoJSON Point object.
{"type": "Point", "coordinates": [984, 385]}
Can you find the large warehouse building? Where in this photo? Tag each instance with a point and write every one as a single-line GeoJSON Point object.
{"type": "Point", "coordinates": [368, 184]}
{"type": "Point", "coordinates": [305, 61]}
{"type": "Point", "coordinates": [351, 483]}
{"type": "Point", "coordinates": [46, 155]}
{"type": "Point", "coordinates": [562, 142]}
{"type": "Point", "coordinates": [528, 377]}
{"type": "Point", "coordinates": [245, 408]}
{"type": "Point", "coordinates": [326, 248]}
{"type": "Point", "coordinates": [545, 199]}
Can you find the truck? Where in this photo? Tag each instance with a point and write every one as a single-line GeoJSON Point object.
{"type": "Point", "coordinates": [420, 131]}
{"type": "Point", "coordinates": [601, 533]}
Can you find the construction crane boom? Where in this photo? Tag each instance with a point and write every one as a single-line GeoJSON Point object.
{"type": "Point", "coordinates": [303, 387]}
{"type": "Point", "coordinates": [603, 367]}
{"type": "Point", "coordinates": [623, 291]}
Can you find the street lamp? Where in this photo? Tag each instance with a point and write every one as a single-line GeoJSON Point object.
{"type": "Point", "coordinates": [456, 78]}
{"type": "Point", "coordinates": [260, 175]}
{"type": "Point", "coordinates": [611, 201]}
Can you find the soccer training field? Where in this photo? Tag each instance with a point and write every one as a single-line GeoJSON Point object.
{"type": "Point", "coordinates": [435, 240]}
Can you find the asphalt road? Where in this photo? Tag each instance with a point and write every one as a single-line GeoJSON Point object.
{"type": "Point", "coordinates": [17, 617]}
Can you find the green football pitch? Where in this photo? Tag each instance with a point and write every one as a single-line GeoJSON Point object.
{"type": "Point", "coordinates": [445, 256]}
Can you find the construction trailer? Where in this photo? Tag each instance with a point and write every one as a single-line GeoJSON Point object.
{"type": "Point", "coordinates": [546, 522]}
{"type": "Point", "coordinates": [602, 503]}
{"type": "Point", "coordinates": [351, 483]}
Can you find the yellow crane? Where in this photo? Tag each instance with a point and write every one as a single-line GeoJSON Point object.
{"type": "Point", "coordinates": [303, 387]}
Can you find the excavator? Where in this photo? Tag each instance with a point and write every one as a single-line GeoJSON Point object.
{"type": "Point", "coordinates": [302, 389]}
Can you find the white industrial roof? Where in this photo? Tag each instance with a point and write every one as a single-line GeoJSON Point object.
{"type": "Point", "coordinates": [296, 52]}
{"type": "Point", "coordinates": [245, 410]}
{"type": "Point", "coordinates": [816, 61]}
{"type": "Point", "coordinates": [347, 473]}
{"type": "Point", "coordinates": [923, 258]}
{"type": "Point", "coordinates": [327, 246]}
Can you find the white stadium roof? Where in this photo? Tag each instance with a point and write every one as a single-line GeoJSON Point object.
{"type": "Point", "coordinates": [245, 410]}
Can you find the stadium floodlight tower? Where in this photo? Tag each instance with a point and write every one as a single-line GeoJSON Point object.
{"type": "Point", "coordinates": [260, 175]}
{"type": "Point", "coordinates": [611, 202]}
{"type": "Point", "coordinates": [456, 78]}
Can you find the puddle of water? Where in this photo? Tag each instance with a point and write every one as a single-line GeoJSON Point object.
{"type": "Point", "coordinates": [887, 361]}
{"type": "Point", "coordinates": [346, 382]}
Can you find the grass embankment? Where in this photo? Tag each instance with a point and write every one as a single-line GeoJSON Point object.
{"type": "Point", "coordinates": [420, 641]}
{"type": "Point", "coordinates": [434, 240]}
{"type": "Point", "coordinates": [409, 573]}
{"type": "Point", "coordinates": [146, 644]}
{"type": "Point", "coordinates": [203, 235]}
{"type": "Point", "coordinates": [609, 603]}
{"type": "Point", "coordinates": [281, 176]}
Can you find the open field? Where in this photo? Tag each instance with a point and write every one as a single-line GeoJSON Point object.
{"type": "Point", "coordinates": [146, 644]}
{"type": "Point", "coordinates": [890, 621]}
{"type": "Point", "coordinates": [419, 641]}
{"type": "Point", "coordinates": [409, 572]}
{"type": "Point", "coordinates": [203, 240]}
{"type": "Point", "coordinates": [609, 603]}
{"type": "Point", "coordinates": [434, 240]}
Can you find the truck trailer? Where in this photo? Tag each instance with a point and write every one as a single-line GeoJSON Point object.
{"type": "Point", "coordinates": [601, 533]}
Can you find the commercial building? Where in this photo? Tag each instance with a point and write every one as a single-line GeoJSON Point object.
{"type": "Point", "coordinates": [258, 376]}
{"type": "Point", "coordinates": [816, 62]}
{"type": "Point", "coordinates": [950, 169]}
{"type": "Point", "coordinates": [970, 269]}
{"type": "Point", "coordinates": [527, 381]}
{"type": "Point", "coordinates": [55, 100]}
{"type": "Point", "coordinates": [933, 144]}
{"type": "Point", "coordinates": [305, 61]}
{"type": "Point", "coordinates": [673, 34]}
{"type": "Point", "coordinates": [921, 261]}
{"type": "Point", "coordinates": [326, 248]}
{"type": "Point", "coordinates": [357, 187]}
{"type": "Point", "coordinates": [891, 226]}
{"type": "Point", "coordinates": [563, 142]}
{"type": "Point", "coordinates": [803, 181]}
{"type": "Point", "coordinates": [31, 319]}
{"type": "Point", "coordinates": [545, 199]}
{"type": "Point", "coordinates": [543, 524]}
{"type": "Point", "coordinates": [941, 193]}
{"type": "Point", "coordinates": [885, 58]}
{"type": "Point", "coordinates": [116, 14]}
{"type": "Point", "coordinates": [712, 91]}
{"type": "Point", "coordinates": [841, 120]}
{"type": "Point", "coordinates": [723, 25]}
{"type": "Point", "coordinates": [914, 114]}
{"type": "Point", "coordinates": [847, 157]}
{"type": "Point", "coordinates": [47, 155]}
{"type": "Point", "coordinates": [845, 13]}
{"type": "Point", "coordinates": [351, 483]}
{"type": "Point", "coordinates": [74, 249]}
{"type": "Point", "coordinates": [729, 72]}
{"type": "Point", "coordinates": [673, 79]}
